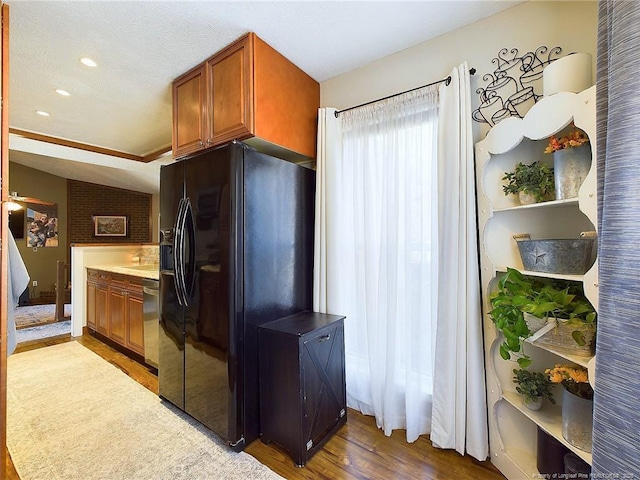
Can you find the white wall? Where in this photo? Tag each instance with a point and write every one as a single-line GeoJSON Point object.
{"type": "Point", "coordinates": [571, 25]}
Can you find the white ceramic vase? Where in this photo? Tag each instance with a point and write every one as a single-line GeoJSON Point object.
{"type": "Point", "coordinates": [526, 198]}
{"type": "Point", "coordinates": [535, 404]}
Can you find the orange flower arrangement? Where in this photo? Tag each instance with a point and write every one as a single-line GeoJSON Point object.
{"type": "Point", "coordinates": [574, 379]}
{"type": "Point", "coordinates": [575, 138]}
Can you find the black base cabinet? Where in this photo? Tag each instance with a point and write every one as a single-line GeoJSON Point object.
{"type": "Point", "coordinates": [303, 399]}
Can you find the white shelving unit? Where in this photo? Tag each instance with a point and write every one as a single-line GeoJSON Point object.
{"type": "Point", "coordinates": [513, 427]}
{"type": "Point", "coordinates": [547, 419]}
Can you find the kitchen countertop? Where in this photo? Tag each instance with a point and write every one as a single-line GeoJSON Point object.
{"type": "Point", "coordinates": [142, 271]}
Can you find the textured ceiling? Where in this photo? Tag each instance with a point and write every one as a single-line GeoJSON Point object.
{"type": "Point", "coordinates": [141, 46]}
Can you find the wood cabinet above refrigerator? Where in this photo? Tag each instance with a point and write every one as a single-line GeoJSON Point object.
{"type": "Point", "coordinates": [249, 92]}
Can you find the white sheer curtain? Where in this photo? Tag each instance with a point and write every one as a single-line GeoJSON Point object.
{"type": "Point", "coordinates": [326, 293]}
{"type": "Point", "coordinates": [396, 252]}
{"type": "Point", "coordinates": [376, 252]}
{"type": "Point", "coordinates": [459, 402]}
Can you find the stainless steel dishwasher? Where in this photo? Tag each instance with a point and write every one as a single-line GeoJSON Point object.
{"type": "Point", "coordinates": [151, 310]}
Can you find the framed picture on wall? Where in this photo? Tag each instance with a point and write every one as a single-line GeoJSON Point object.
{"type": "Point", "coordinates": [109, 225]}
{"type": "Point", "coordinates": [42, 225]}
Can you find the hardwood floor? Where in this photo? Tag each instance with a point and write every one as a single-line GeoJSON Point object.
{"type": "Point", "coordinates": [359, 450]}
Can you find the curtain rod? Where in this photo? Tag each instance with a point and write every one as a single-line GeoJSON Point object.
{"type": "Point", "coordinates": [447, 81]}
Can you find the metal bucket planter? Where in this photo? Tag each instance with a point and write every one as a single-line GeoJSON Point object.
{"type": "Point", "coordinates": [570, 167]}
{"type": "Point", "coordinates": [566, 256]}
{"type": "Point", "coordinates": [577, 420]}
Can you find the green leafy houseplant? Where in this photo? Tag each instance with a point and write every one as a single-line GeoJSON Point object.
{"type": "Point", "coordinates": [535, 179]}
{"type": "Point", "coordinates": [533, 385]}
{"type": "Point", "coordinates": [542, 298]}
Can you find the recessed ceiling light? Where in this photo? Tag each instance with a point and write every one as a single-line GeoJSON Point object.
{"type": "Point", "coordinates": [88, 62]}
{"type": "Point", "coordinates": [40, 112]}
{"type": "Point", "coordinates": [64, 93]}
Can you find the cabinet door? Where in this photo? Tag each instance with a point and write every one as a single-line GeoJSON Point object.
{"type": "Point", "coordinates": [102, 324]}
{"type": "Point", "coordinates": [91, 305]}
{"type": "Point", "coordinates": [117, 315]}
{"type": "Point", "coordinates": [230, 78]}
{"type": "Point", "coordinates": [189, 112]}
{"type": "Point", "coordinates": [135, 321]}
{"type": "Point", "coordinates": [323, 384]}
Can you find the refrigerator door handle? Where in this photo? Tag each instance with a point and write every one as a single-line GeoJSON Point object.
{"type": "Point", "coordinates": [178, 253]}
{"type": "Point", "coordinates": [188, 276]}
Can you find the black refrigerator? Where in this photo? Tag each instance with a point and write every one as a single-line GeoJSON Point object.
{"type": "Point", "coordinates": [236, 251]}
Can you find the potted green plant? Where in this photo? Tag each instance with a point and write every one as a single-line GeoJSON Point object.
{"type": "Point", "coordinates": [534, 387]}
{"type": "Point", "coordinates": [542, 298]}
{"type": "Point", "coordinates": [532, 183]}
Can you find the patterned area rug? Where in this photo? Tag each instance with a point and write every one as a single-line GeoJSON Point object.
{"type": "Point", "coordinates": [43, 331]}
{"type": "Point", "coordinates": [35, 315]}
{"type": "Point", "coordinates": [73, 416]}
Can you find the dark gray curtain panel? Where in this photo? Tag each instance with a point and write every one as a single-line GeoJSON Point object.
{"type": "Point", "coordinates": [616, 438]}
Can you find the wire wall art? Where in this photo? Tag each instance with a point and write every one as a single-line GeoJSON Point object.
{"type": "Point", "coordinates": [510, 91]}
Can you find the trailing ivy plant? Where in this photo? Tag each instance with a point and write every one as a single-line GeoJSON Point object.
{"type": "Point", "coordinates": [540, 297]}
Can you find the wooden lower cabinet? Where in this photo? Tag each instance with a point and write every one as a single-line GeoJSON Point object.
{"type": "Point", "coordinates": [114, 308]}
{"type": "Point", "coordinates": [117, 313]}
{"type": "Point", "coordinates": [135, 330]}
{"type": "Point", "coordinates": [92, 286]}
{"type": "Point", "coordinates": [101, 314]}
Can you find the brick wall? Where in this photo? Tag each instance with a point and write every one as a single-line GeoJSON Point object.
{"type": "Point", "coordinates": [88, 199]}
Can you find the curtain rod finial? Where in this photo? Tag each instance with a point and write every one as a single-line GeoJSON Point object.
{"type": "Point", "coordinates": [447, 80]}
{"type": "Point", "coordinates": [472, 71]}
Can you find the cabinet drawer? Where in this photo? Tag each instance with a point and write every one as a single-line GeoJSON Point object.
{"type": "Point", "coordinates": [118, 281]}
{"type": "Point", "coordinates": [104, 277]}
{"type": "Point", "coordinates": [134, 287]}
{"type": "Point", "coordinates": [92, 274]}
